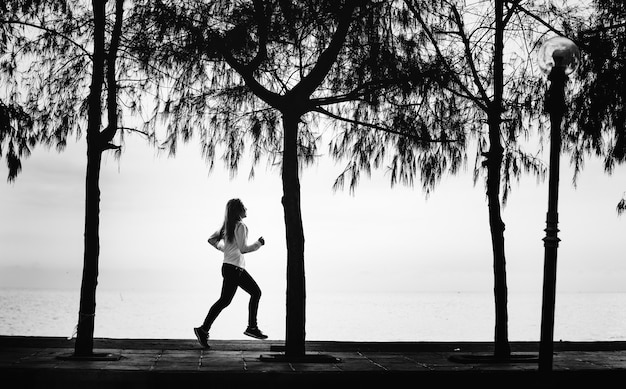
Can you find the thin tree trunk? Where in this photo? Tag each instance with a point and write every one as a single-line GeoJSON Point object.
{"type": "Point", "coordinates": [502, 347]}
{"type": "Point", "coordinates": [496, 225]}
{"type": "Point", "coordinates": [296, 290]}
{"type": "Point", "coordinates": [86, 315]}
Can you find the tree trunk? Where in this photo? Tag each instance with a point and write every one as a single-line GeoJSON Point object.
{"type": "Point", "coordinates": [86, 316]}
{"type": "Point", "coordinates": [496, 225]}
{"type": "Point", "coordinates": [84, 336]}
{"type": "Point", "coordinates": [296, 291]}
{"type": "Point", "coordinates": [494, 166]}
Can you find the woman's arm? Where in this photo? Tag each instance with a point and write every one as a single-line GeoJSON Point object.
{"type": "Point", "coordinates": [241, 237]}
{"type": "Point", "coordinates": [215, 240]}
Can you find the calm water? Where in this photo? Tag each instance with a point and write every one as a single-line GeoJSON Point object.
{"type": "Point", "coordinates": [338, 316]}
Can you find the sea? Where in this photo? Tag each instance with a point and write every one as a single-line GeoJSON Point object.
{"type": "Point", "coordinates": [336, 316]}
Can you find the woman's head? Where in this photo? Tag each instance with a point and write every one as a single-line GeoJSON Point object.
{"type": "Point", "coordinates": [235, 211]}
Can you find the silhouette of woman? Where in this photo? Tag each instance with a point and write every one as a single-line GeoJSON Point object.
{"type": "Point", "coordinates": [232, 238]}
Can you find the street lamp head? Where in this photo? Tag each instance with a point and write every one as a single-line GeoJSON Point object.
{"type": "Point", "coordinates": [559, 51]}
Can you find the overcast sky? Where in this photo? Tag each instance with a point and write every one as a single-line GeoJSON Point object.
{"type": "Point", "coordinates": [157, 212]}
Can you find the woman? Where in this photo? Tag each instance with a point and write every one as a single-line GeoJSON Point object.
{"type": "Point", "coordinates": [232, 240]}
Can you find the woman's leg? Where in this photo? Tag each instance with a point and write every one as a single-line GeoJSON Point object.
{"type": "Point", "coordinates": [231, 276]}
{"type": "Point", "coordinates": [247, 283]}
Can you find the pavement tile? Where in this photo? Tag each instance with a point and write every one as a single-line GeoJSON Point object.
{"type": "Point", "coordinates": [141, 351]}
{"type": "Point", "coordinates": [225, 361]}
{"type": "Point", "coordinates": [221, 366]}
{"type": "Point", "coordinates": [319, 367]}
{"type": "Point", "coordinates": [129, 358]}
{"type": "Point", "coordinates": [14, 357]}
{"type": "Point", "coordinates": [136, 366]}
{"type": "Point", "coordinates": [403, 367]}
{"type": "Point", "coordinates": [91, 365]}
{"type": "Point", "coordinates": [406, 364]}
{"type": "Point", "coordinates": [39, 358]}
{"type": "Point", "coordinates": [37, 365]}
{"type": "Point", "coordinates": [197, 352]}
{"type": "Point", "coordinates": [617, 365]}
{"type": "Point", "coordinates": [358, 365]}
{"type": "Point", "coordinates": [176, 367]}
{"type": "Point", "coordinates": [262, 366]}
{"type": "Point", "coordinates": [577, 366]}
{"type": "Point", "coordinates": [348, 356]}
{"type": "Point", "coordinates": [254, 354]}
{"type": "Point", "coordinates": [426, 358]}
{"type": "Point", "coordinates": [54, 351]}
{"type": "Point", "coordinates": [222, 353]}
{"type": "Point", "coordinates": [452, 367]}
{"type": "Point", "coordinates": [179, 359]}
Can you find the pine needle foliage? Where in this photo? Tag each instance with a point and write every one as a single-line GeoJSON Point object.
{"type": "Point", "coordinates": [236, 64]}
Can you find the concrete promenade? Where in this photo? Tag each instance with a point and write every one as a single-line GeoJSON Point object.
{"type": "Point", "coordinates": [42, 362]}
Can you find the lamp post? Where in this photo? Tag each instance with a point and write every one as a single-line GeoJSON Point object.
{"type": "Point", "coordinates": [558, 57]}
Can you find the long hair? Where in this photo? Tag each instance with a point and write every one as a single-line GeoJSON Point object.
{"type": "Point", "coordinates": [234, 210]}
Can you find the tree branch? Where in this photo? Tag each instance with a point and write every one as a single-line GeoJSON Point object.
{"type": "Point", "coordinates": [511, 11]}
{"type": "Point", "coordinates": [111, 146]}
{"type": "Point", "coordinates": [468, 55]}
{"type": "Point", "coordinates": [108, 133]}
{"type": "Point", "coordinates": [11, 21]}
{"type": "Point", "coordinates": [540, 20]}
{"type": "Point", "coordinates": [259, 12]}
{"type": "Point", "coordinates": [358, 91]}
{"type": "Point", "coordinates": [468, 94]}
{"type": "Point", "coordinates": [380, 128]}
{"type": "Point", "coordinates": [327, 58]}
{"type": "Point", "coordinates": [271, 98]}
{"type": "Point", "coordinates": [585, 32]}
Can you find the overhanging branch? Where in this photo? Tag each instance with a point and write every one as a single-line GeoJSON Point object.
{"type": "Point", "coordinates": [380, 128]}
{"type": "Point", "coordinates": [468, 55]}
{"type": "Point", "coordinates": [54, 32]}
{"type": "Point", "coordinates": [466, 93]}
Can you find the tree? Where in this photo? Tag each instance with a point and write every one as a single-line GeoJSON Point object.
{"type": "Point", "coordinates": [98, 140]}
{"type": "Point", "coordinates": [485, 49]}
{"type": "Point", "coordinates": [595, 119]}
{"type": "Point", "coordinates": [488, 49]}
{"type": "Point", "coordinates": [257, 62]}
{"type": "Point", "coordinates": [597, 112]}
{"type": "Point", "coordinates": [48, 53]}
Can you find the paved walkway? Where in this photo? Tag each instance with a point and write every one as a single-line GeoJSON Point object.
{"type": "Point", "coordinates": [165, 363]}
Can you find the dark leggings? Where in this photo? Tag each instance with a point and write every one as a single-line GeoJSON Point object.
{"type": "Point", "coordinates": [235, 277]}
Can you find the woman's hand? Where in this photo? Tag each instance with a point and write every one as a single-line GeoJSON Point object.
{"type": "Point", "coordinates": [262, 241]}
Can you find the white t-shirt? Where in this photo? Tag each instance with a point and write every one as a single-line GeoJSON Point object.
{"type": "Point", "coordinates": [234, 250]}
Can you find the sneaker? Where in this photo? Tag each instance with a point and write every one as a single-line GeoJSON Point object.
{"type": "Point", "coordinates": [203, 336]}
{"type": "Point", "coordinates": [255, 332]}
